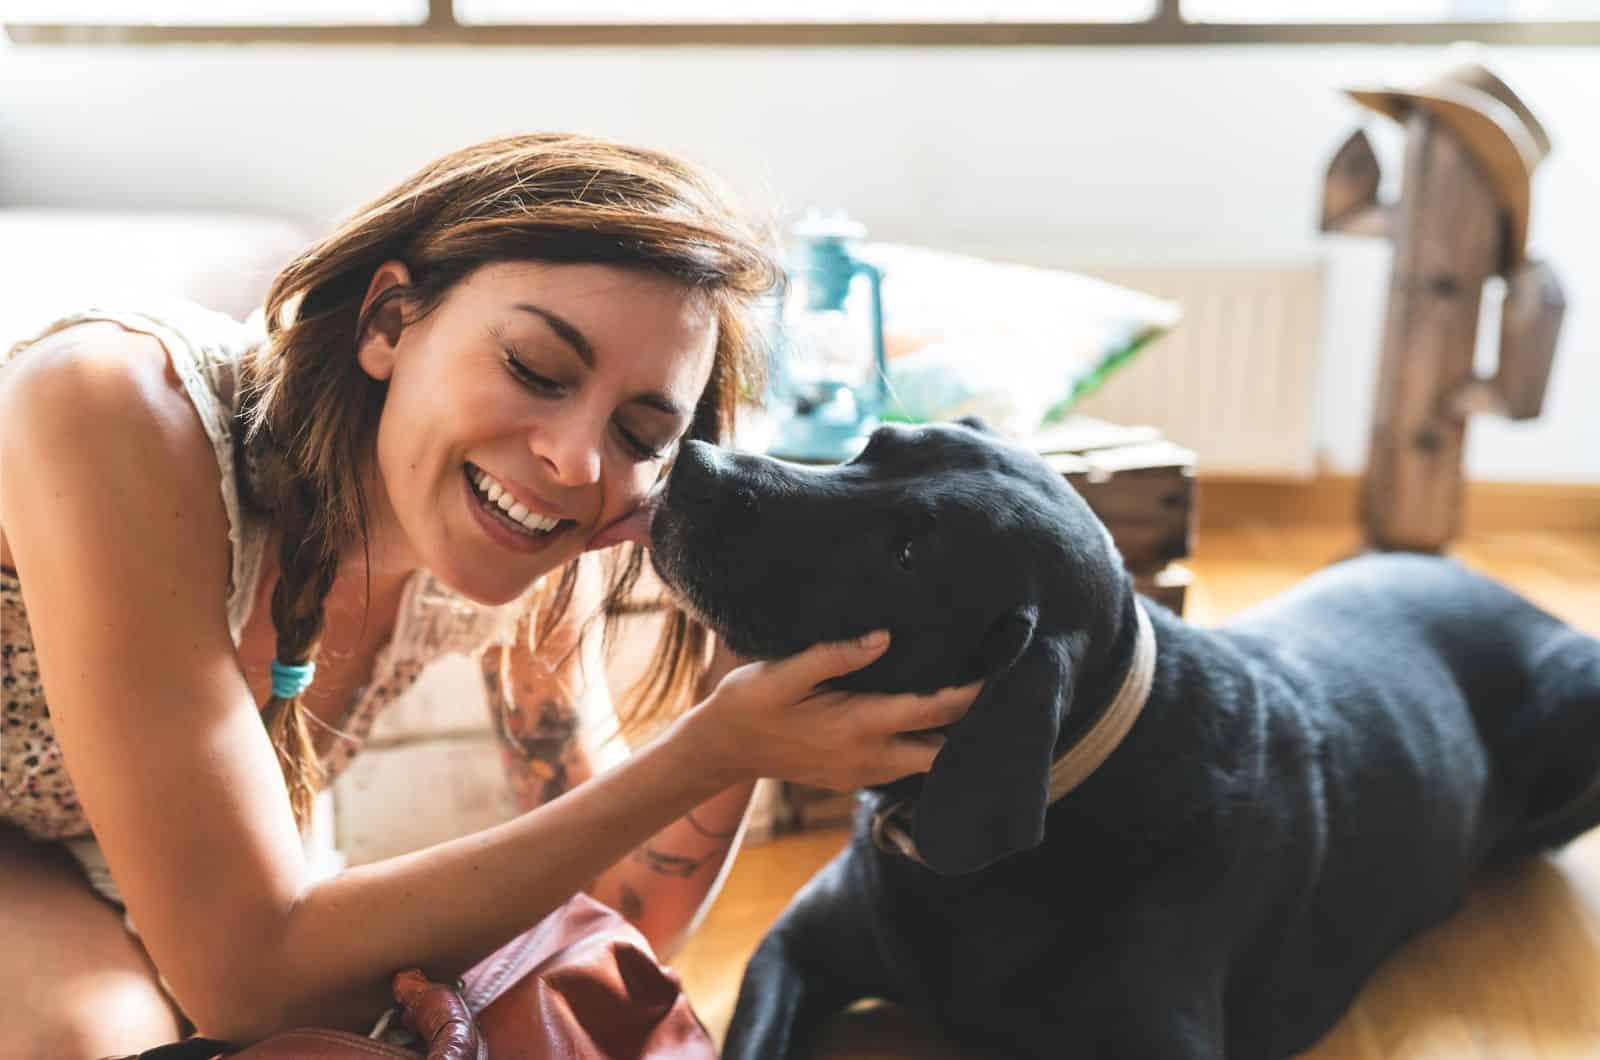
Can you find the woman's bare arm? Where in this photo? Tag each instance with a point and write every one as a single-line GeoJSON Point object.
{"type": "Point", "coordinates": [537, 694]}
{"type": "Point", "coordinates": [109, 493]}
{"type": "Point", "coordinates": [110, 496]}
{"type": "Point", "coordinates": [668, 884]}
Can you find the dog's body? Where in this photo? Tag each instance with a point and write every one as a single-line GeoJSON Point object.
{"type": "Point", "coordinates": [1305, 788]}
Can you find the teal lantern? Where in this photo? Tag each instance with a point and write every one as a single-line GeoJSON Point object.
{"type": "Point", "coordinates": [828, 376]}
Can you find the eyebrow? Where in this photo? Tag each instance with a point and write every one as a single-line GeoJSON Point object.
{"type": "Point", "coordinates": [580, 345]}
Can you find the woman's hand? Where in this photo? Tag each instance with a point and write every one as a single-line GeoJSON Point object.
{"type": "Point", "coordinates": [769, 719]}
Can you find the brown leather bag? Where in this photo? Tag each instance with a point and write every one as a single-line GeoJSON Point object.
{"type": "Point", "coordinates": [581, 985]}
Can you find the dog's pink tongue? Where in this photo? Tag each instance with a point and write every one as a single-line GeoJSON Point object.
{"type": "Point", "coordinates": [634, 527]}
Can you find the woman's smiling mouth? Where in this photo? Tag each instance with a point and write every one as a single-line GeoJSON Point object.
{"type": "Point", "coordinates": [507, 520]}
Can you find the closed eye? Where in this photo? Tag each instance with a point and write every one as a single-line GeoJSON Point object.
{"type": "Point", "coordinates": [540, 384]}
{"type": "Point", "coordinates": [640, 448]}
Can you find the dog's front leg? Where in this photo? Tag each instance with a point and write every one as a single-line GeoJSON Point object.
{"type": "Point", "coordinates": [819, 957]}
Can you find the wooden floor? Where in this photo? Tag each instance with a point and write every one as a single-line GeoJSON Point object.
{"type": "Point", "coordinates": [1515, 975]}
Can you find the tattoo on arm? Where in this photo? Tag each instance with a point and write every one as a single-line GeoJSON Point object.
{"type": "Point", "coordinates": [543, 745]}
{"type": "Point", "coordinates": [708, 833]}
{"type": "Point", "coordinates": [678, 865]}
{"type": "Point", "coordinates": [539, 744]}
{"type": "Point", "coordinates": [632, 906]}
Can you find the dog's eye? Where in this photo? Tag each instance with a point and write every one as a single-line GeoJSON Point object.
{"type": "Point", "coordinates": [905, 553]}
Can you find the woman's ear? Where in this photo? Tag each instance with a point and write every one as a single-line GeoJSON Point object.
{"type": "Point", "coordinates": [380, 331]}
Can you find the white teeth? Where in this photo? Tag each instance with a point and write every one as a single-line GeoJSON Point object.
{"type": "Point", "coordinates": [501, 497]}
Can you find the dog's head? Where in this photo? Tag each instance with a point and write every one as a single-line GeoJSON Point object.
{"type": "Point", "coordinates": [977, 556]}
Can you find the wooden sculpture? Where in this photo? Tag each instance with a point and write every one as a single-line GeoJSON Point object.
{"type": "Point", "coordinates": [1462, 217]}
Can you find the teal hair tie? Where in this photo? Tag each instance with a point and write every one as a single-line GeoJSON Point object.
{"type": "Point", "coordinates": [290, 681]}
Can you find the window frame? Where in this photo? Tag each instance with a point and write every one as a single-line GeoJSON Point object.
{"type": "Point", "coordinates": [1166, 27]}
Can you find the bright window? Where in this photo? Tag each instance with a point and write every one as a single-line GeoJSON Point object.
{"type": "Point", "coordinates": [220, 12]}
{"type": "Point", "coordinates": [834, 12]}
{"type": "Point", "coordinates": [1379, 11]}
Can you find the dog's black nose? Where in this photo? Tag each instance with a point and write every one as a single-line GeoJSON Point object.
{"type": "Point", "coordinates": [709, 482]}
{"type": "Point", "coordinates": [694, 477]}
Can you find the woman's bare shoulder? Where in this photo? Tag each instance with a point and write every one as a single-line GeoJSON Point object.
{"type": "Point", "coordinates": [95, 412]}
{"type": "Point", "coordinates": [96, 367]}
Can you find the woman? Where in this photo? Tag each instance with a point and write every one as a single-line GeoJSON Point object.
{"type": "Point", "coordinates": [457, 395]}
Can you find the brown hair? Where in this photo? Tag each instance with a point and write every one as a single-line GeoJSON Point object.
{"type": "Point", "coordinates": [309, 413]}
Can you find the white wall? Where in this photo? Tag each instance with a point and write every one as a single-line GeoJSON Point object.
{"type": "Point", "coordinates": [1042, 154]}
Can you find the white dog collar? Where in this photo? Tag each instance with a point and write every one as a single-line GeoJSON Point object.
{"type": "Point", "coordinates": [891, 826]}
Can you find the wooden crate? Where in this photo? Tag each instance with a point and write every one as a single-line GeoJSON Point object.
{"type": "Point", "coordinates": [1142, 487]}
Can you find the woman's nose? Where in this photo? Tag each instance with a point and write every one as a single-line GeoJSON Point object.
{"type": "Point", "coordinates": [570, 452]}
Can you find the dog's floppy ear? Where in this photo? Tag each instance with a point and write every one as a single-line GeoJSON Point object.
{"type": "Point", "coordinates": [988, 790]}
{"type": "Point", "coordinates": [1003, 643]}
{"type": "Point", "coordinates": [977, 423]}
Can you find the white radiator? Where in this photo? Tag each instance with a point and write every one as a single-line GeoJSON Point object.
{"type": "Point", "coordinates": [1235, 381]}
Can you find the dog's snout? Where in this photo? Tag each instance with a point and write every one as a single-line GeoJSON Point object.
{"type": "Point", "coordinates": [697, 478]}
{"type": "Point", "coordinates": [694, 476]}
{"type": "Point", "coordinates": [707, 482]}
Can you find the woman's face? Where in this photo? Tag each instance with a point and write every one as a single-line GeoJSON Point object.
{"type": "Point", "coordinates": [532, 409]}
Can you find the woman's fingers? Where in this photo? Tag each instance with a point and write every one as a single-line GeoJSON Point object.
{"type": "Point", "coordinates": [907, 719]}
{"type": "Point", "coordinates": [803, 672]}
{"type": "Point", "coordinates": [909, 713]}
{"type": "Point", "coordinates": [850, 739]}
{"type": "Point", "coordinates": [910, 753]}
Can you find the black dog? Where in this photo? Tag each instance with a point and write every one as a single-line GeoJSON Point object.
{"type": "Point", "coordinates": [1303, 790]}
